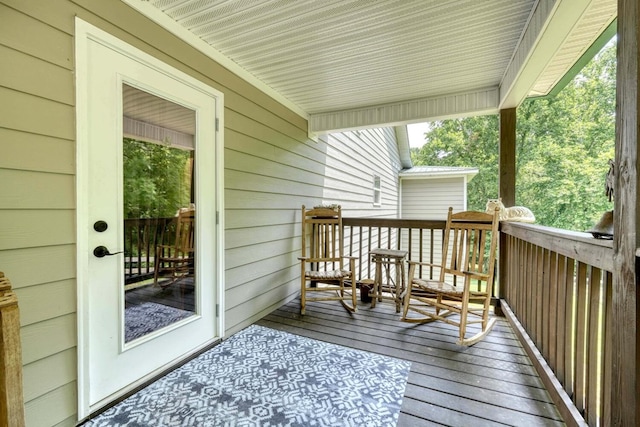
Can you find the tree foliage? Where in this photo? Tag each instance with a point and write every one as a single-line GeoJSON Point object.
{"type": "Point", "coordinates": [563, 144]}
{"type": "Point", "coordinates": [157, 179]}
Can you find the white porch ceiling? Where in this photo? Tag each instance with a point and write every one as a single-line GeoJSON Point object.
{"type": "Point", "coordinates": [348, 64]}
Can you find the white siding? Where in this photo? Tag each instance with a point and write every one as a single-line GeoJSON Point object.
{"type": "Point", "coordinates": [431, 198]}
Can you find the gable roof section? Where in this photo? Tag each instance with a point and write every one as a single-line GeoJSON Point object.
{"type": "Point", "coordinates": [348, 64]}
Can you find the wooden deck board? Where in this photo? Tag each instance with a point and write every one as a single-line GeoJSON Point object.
{"type": "Point", "coordinates": [490, 383]}
{"type": "Point", "coordinates": [178, 295]}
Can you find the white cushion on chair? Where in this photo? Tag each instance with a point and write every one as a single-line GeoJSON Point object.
{"type": "Point", "coordinates": [326, 275]}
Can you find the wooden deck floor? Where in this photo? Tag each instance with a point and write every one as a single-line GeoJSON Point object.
{"type": "Point", "coordinates": [180, 295]}
{"type": "Point", "coordinates": [489, 384]}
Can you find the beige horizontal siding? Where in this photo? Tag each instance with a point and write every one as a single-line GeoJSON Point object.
{"type": "Point", "coordinates": [30, 152]}
{"type": "Point", "coordinates": [35, 38]}
{"type": "Point", "coordinates": [257, 277]}
{"type": "Point", "coordinates": [52, 408]}
{"type": "Point", "coordinates": [269, 285]}
{"type": "Point", "coordinates": [69, 422]}
{"type": "Point", "coordinates": [32, 228]}
{"type": "Point", "coordinates": [51, 373]}
{"type": "Point", "coordinates": [41, 302]}
{"type": "Point", "coordinates": [271, 169]}
{"type": "Point", "coordinates": [31, 75]}
{"type": "Point", "coordinates": [39, 265]}
{"type": "Point", "coordinates": [33, 114]}
{"type": "Point", "coordinates": [37, 213]}
{"type": "Point", "coordinates": [36, 190]}
{"type": "Point", "coordinates": [42, 339]}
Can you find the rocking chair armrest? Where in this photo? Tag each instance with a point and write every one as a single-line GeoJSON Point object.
{"type": "Point", "coordinates": [303, 258]}
{"type": "Point", "coordinates": [352, 263]}
{"type": "Point", "coordinates": [475, 275]}
{"type": "Point", "coordinates": [413, 266]}
{"type": "Point", "coordinates": [424, 264]}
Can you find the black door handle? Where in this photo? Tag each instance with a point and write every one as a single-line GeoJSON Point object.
{"type": "Point", "coordinates": [102, 251]}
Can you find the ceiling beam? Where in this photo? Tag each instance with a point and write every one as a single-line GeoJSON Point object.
{"type": "Point", "coordinates": [481, 101]}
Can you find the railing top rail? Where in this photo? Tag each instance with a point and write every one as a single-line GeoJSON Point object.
{"type": "Point", "coordinates": [149, 220]}
{"type": "Point", "coordinates": [394, 223]}
{"type": "Point", "coordinates": [574, 244]}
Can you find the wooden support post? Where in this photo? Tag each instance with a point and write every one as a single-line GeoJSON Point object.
{"type": "Point", "coordinates": [507, 180]}
{"type": "Point", "coordinates": [11, 397]}
{"type": "Point", "coordinates": [622, 378]}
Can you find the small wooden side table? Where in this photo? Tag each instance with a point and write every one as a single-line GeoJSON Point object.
{"type": "Point", "coordinates": [384, 259]}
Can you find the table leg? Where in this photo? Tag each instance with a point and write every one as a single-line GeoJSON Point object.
{"type": "Point", "coordinates": [396, 297]}
{"type": "Point", "coordinates": [377, 283]}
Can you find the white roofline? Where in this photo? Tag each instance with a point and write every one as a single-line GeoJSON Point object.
{"type": "Point", "coordinates": [468, 173]}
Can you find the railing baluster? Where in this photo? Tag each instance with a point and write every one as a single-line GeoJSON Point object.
{"type": "Point", "coordinates": [558, 285]}
{"type": "Point", "coordinates": [581, 336]}
{"type": "Point", "coordinates": [140, 225]}
{"type": "Point", "coordinates": [561, 338]}
{"type": "Point", "coordinates": [569, 328]}
{"type": "Point", "coordinates": [594, 346]}
{"type": "Point", "coordinates": [607, 362]}
{"type": "Point", "coordinates": [553, 307]}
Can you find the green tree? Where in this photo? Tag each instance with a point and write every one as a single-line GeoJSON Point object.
{"type": "Point", "coordinates": [468, 142]}
{"type": "Point", "coordinates": [562, 147]}
{"type": "Point", "coordinates": [157, 179]}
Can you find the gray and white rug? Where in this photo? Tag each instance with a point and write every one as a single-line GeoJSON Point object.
{"type": "Point", "coordinates": [142, 319]}
{"type": "Point", "coordinates": [262, 377]}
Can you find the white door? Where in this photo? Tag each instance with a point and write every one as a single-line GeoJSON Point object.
{"type": "Point", "coordinates": [147, 150]}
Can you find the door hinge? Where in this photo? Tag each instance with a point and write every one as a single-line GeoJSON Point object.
{"type": "Point", "coordinates": [217, 310]}
{"type": "Point", "coordinates": [217, 217]}
{"type": "Point", "coordinates": [217, 125]}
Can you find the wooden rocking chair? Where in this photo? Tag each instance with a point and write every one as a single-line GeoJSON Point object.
{"type": "Point", "coordinates": [177, 259]}
{"type": "Point", "coordinates": [322, 264]}
{"type": "Point", "coordinates": [465, 281]}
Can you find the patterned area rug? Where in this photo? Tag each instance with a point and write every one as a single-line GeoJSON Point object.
{"type": "Point", "coordinates": [147, 317]}
{"type": "Point", "coordinates": [262, 377]}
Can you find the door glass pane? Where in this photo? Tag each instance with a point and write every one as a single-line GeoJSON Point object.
{"type": "Point", "coordinates": [159, 212]}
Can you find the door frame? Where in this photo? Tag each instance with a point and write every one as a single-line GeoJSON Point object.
{"type": "Point", "coordinates": [85, 34]}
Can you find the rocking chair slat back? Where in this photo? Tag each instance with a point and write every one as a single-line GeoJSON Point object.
{"type": "Point", "coordinates": [469, 257]}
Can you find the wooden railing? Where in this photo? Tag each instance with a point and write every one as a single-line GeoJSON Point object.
{"type": "Point", "coordinates": [556, 288]}
{"type": "Point", "coordinates": [421, 238]}
{"type": "Point", "coordinates": [141, 236]}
